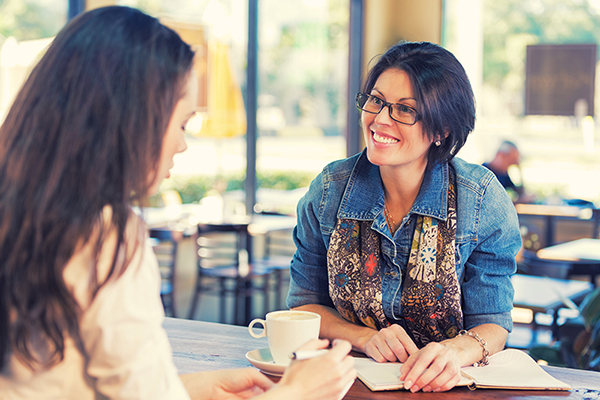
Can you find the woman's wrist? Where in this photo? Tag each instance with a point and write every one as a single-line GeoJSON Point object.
{"type": "Point", "coordinates": [462, 348]}
{"type": "Point", "coordinates": [363, 336]}
{"type": "Point", "coordinates": [334, 326]}
{"type": "Point", "coordinates": [485, 352]}
{"type": "Point", "coordinates": [282, 390]}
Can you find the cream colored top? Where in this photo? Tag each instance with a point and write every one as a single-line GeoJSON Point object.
{"type": "Point", "coordinates": [128, 355]}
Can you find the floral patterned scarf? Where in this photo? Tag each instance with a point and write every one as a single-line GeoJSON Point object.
{"type": "Point", "coordinates": [430, 298]}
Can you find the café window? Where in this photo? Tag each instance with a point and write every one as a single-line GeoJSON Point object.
{"type": "Point", "coordinates": [26, 29]}
{"type": "Point", "coordinates": [301, 101]}
{"type": "Point", "coordinates": [559, 150]}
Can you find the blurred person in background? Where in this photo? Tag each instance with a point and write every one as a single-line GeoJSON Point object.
{"type": "Point", "coordinates": [508, 156]}
{"type": "Point", "coordinates": [92, 132]}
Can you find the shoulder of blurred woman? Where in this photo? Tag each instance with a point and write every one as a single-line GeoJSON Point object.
{"type": "Point", "coordinates": [85, 263]}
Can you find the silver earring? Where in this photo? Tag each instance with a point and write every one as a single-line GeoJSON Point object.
{"type": "Point", "coordinates": [438, 143]}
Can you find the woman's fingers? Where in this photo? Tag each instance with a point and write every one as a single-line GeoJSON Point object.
{"type": "Point", "coordinates": [433, 377]}
{"type": "Point", "coordinates": [378, 349]}
{"type": "Point", "coordinates": [433, 368]}
{"type": "Point", "coordinates": [406, 347]}
{"type": "Point", "coordinates": [340, 348]}
{"type": "Point", "coordinates": [314, 344]}
{"type": "Point", "coordinates": [328, 376]}
{"type": "Point", "coordinates": [391, 344]}
{"type": "Point", "coordinates": [443, 382]}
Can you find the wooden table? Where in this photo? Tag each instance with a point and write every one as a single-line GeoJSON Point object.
{"type": "Point", "coordinates": [180, 217]}
{"type": "Point", "coordinates": [188, 218]}
{"type": "Point", "coordinates": [205, 346]}
{"type": "Point", "coordinates": [549, 214]}
{"type": "Point", "coordinates": [543, 295]}
{"type": "Point", "coordinates": [576, 250]}
{"type": "Point", "coordinates": [582, 254]}
{"type": "Point", "coordinates": [559, 224]}
{"type": "Point", "coordinates": [248, 227]}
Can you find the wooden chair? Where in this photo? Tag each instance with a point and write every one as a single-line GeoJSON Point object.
{"type": "Point", "coordinates": [164, 243]}
{"type": "Point", "coordinates": [277, 256]}
{"type": "Point", "coordinates": [222, 258]}
{"type": "Point", "coordinates": [554, 276]}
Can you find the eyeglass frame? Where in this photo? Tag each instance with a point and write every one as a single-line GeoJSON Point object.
{"type": "Point", "coordinates": [388, 105]}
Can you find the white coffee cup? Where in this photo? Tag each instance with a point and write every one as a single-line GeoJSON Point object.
{"type": "Point", "coordinates": [287, 330]}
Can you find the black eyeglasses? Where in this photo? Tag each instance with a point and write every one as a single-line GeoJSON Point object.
{"type": "Point", "coordinates": [398, 112]}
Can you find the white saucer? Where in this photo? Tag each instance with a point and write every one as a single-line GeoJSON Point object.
{"type": "Point", "coordinates": [262, 359]}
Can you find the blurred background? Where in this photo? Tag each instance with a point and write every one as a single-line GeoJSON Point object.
{"type": "Point", "coordinates": [307, 73]}
{"type": "Point", "coordinates": [277, 85]}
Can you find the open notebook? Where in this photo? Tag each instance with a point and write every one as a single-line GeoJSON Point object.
{"type": "Point", "coordinates": [508, 369]}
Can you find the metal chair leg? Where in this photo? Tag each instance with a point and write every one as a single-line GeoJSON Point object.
{"type": "Point", "coordinates": [278, 283]}
{"type": "Point", "coordinates": [267, 278]}
{"type": "Point", "coordinates": [222, 300]}
{"type": "Point", "coordinates": [194, 300]}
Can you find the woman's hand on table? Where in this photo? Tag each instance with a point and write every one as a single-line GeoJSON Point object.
{"type": "Point", "coordinates": [329, 376]}
{"type": "Point", "coordinates": [434, 368]}
{"type": "Point", "coordinates": [232, 384]}
{"type": "Point", "coordinates": [389, 344]}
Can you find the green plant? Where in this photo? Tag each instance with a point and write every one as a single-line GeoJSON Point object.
{"type": "Point", "coordinates": [190, 189]}
{"type": "Point", "coordinates": [587, 344]}
{"type": "Point", "coordinates": [193, 188]}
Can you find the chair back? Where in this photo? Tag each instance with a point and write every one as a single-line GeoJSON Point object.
{"type": "Point", "coordinates": [165, 244]}
{"type": "Point", "coordinates": [219, 245]}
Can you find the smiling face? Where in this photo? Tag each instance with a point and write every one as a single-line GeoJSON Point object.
{"type": "Point", "coordinates": [390, 143]}
{"type": "Point", "coordinates": [174, 139]}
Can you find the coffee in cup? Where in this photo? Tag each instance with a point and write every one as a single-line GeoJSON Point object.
{"type": "Point", "coordinates": [286, 331]}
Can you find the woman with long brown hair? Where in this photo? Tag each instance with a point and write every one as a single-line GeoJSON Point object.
{"type": "Point", "coordinates": [92, 132]}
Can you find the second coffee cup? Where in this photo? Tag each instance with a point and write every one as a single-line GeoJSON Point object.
{"type": "Point", "coordinates": [286, 331]}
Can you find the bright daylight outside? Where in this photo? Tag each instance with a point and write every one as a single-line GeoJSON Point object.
{"type": "Point", "coordinates": [533, 67]}
{"type": "Point", "coordinates": [302, 59]}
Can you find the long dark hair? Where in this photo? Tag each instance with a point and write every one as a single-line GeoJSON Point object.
{"type": "Point", "coordinates": [442, 89]}
{"type": "Point", "coordinates": [84, 132]}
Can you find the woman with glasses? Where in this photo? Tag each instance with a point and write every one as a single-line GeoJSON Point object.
{"type": "Point", "coordinates": [92, 132]}
{"type": "Point", "coordinates": [405, 250]}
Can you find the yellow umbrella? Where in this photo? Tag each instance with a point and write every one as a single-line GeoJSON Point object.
{"type": "Point", "coordinates": [220, 103]}
{"type": "Point", "coordinates": [226, 115]}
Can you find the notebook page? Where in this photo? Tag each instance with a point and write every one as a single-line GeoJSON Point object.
{"type": "Point", "coordinates": [378, 376]}
{"type": "Point", "coordinates": [384, 376]}
{"type": "Point", "coordinates": [513, 368]}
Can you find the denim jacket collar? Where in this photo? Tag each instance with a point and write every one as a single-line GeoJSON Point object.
{"type": "Point", "coordinates": [364, 197]}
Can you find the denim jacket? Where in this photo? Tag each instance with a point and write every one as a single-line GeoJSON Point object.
{"type": "Point", "coordinates": [487, 235]}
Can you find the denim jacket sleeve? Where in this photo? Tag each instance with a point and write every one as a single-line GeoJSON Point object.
{"type": "Point", "coordinates": [309, 280]}
{"type": "Point", "coordinates": [487, 241]}
{"type": "Point", "coordinates": [488, 246]}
